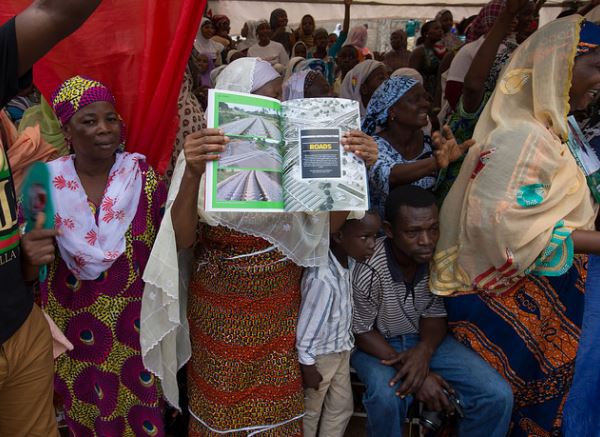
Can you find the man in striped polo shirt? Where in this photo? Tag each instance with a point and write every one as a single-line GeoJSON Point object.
{"type": "Point", "coordinates": [404, 351]}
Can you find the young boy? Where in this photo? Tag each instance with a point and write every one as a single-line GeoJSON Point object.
{"type": "Point", "coordinates": [324, 337]}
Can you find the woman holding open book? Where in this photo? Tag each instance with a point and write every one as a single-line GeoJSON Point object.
{"type": "Point", "coordinates": [244, 289]}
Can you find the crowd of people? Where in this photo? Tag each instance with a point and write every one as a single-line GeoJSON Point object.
{"type": "Point", "coordinates": [459, 299]}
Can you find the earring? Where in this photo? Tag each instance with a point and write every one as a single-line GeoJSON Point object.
{"type": "Point", "coordinates": [69, 145]}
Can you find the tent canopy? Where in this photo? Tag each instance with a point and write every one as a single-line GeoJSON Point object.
{"type": "Point", "coordinates": [381, 16]}
{"type": "Point", "coordinates": [327, 13]}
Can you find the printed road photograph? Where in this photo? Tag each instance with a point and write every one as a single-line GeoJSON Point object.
{"type": "Point", "coordinates": [249, 121]}
{"type": "Point", "coordinates": [251, 154]}
{"type": "Point", "coordinates": [249, 185]}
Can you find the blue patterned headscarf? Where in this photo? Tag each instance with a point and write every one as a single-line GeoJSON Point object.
{"type": "Point", "coordinates": [386, 96]}
{"type": "Point", "coordinates": [312, 64]}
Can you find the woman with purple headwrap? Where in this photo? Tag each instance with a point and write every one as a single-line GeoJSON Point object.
{"type": "Point", "coordinates": [109, 206]}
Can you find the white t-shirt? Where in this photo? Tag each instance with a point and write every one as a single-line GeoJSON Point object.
{"type": "Point", "coordinates": [273, 52]}
{"type": "Point", "coordinates": [462, 61]}
{"type": "Point", "coordinates": [464, 58]}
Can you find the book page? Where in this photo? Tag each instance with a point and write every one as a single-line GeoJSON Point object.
{"type": "Point", "coordinates": [318, 175]}
{"type": "Point", "coordinates": [248, 176]}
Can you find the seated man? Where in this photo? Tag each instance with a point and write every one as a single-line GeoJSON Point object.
{"type": "Point", "coordinates": [404, 351]}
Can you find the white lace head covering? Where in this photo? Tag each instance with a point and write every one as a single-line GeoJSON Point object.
{"type": "Point", "coordinates": [214, 75]}
{"type": "Point", "coordinates": [251, 38]}
{"type": "Point", "coordinates": [292, 66]}
{"type": "Point", "coordinates": [354, 80]}
{"type": "Point", "coordinates": [299, 43]}
{"type": "Point", "coordinates": [293, 88]}
{"type": "Point", "coordinates": [303, 238]}
{"type": "Point", "coordinates": [207, 47]}
{"type": "Point", "coordinates": [409, 72]}
{"type": "Point", "coordinates": [246, 75]}
{"type": "Point", "coordinates": [230, 54]}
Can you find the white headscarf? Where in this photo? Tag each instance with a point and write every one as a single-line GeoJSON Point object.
{"type": "Point", "coordinates": [294, 49]}
{"type": "Point", "coordinates": [357, 37]}
{"type": "Point", "coordinates": [409, 72]}
{"type": "Point", "coordinates": [207, 47]}
{"type": "Point", "coordinates": [291, 66]}
{"type": "Point", "coordinates": [251, 37]}
{"type": "Point", "coordinates": [303, 238]}
{"type": "Point", "coordinates": [594, 15]}
{"type": "Point", "coordinates": [293, 88]}
{"type": "Point", "coordinates": [230, 54]}
{"type": "Point", "coordinates": [246, 75]}
{"type": "Point", "coordinates": [354, 80]}
{"type": "Point", "coordinates": [214, 75]}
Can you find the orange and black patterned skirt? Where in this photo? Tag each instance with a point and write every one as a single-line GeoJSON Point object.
{"type": "Point", "coordinates": [244, 373]}
{"type": "Point", "coordinates": [530, 335]}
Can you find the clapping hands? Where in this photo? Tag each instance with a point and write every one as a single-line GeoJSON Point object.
{"type": "Point", "coordinates": [447, 150]}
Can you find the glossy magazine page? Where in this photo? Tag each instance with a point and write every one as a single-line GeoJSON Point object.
{"type": "Point", "coordinates": [318, 175]}
{"type": "Point", "coordinates": [284, 156]}
{"type": "Point", "coordinates": [248, 175]}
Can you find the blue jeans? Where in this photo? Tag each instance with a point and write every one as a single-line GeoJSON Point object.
{"type": "Point", "coordinates": [486, 397]}
{"type": "Point", "coordinates": [583, 405]}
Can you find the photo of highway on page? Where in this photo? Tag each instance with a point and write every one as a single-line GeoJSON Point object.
{"type": "Point", "coordinates": [248, 175]}
{"type": "Point", "coordinates": [284, 156]}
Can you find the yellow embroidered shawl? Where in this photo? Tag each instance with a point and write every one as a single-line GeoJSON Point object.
{"type": "Point", "coordinates": [519, 193]}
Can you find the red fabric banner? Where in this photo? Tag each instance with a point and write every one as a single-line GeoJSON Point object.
{"type": "Point", "coordinates": [139, 49]}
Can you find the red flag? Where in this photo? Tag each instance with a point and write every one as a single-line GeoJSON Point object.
{"type": "Point", "coordinates": [139, 49]}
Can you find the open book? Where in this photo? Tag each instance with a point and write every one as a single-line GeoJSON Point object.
{"type": "Point", "coordinates": [284, 156]}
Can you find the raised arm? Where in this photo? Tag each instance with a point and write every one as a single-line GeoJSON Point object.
{"type": "Point", "coordinates": [335, 48]}
{"type": "Point", "coordinates": [45, 23]}
{"type": "Point", "coordinates": [587, 242]}
{"type": "Point", "coordinates": [474, 83]}
{"type": "Point", "coordinates": [404, 174]}
{"type": "Point", "coordinates": [199, 149]}
{"type": "Point", "coordinates": [446, 151]}
{"type": "Point", "coordinates": [346, 25]}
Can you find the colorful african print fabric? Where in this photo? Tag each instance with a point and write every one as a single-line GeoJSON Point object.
{"type": "Point", "coordinates": [102, 381]}
{"type": "Point", "coordinates": [530, 335]}
{"type": "Point", "coordinates": [244, 373]}
{"type": "Point", "coordinates": [76, 93]}
{"type": "Point", "coordinates": [90, 244]}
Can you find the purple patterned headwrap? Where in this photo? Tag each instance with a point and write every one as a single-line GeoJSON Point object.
{"type": "Point", "coordinates": [76, 93]}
